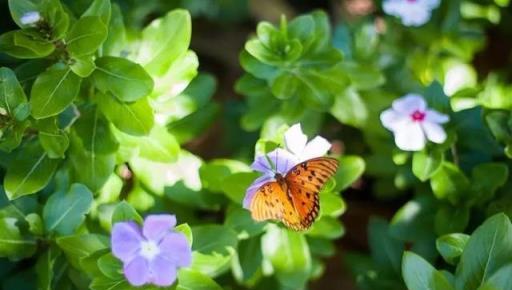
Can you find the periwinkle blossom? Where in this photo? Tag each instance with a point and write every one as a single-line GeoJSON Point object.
{"type": "Point", "coordinates": [296, 142]}
{"type": "Point", "coordinates": [413, 123]}
{"type": "Point", "coordinates": [153, 254]}
{"type": "Point", "coordinates": [281, 161]}
{"type": "Point", "coordinates": [411, 12]}
{"type": "Point", "coordinates": [30, 18]}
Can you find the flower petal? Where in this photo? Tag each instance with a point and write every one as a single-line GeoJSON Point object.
{"type": "Point", "coordinates": [126, 238]}
{"type": "Point", "coordinates": [409, 103]}
{"type": "Point", "coordinates": [157, 226]}
{"type": "Point", "coordinates": [137, 271]}
{"type": "Point", "coordinates": [434, 132]}
{"type": "Point", "coordinates": [261, 164]}
{"type": "Point", "coordinates": [392, 120]}
{"type": "Point", "coordinates": [295, 140]}
{"type": "Point", "coordinates": [283, 160]}
{"type": "Point", "coordinates": [315, 148]}
{"type": "Point", "coordinates": [410, 137]}
{"type": "Point", "coordinates": [162, 271]}
{"type": "Point", "coordinates": [255, 185]}
{"type": "Point", "coordinates": [436, 117]}
{"type": "Point", "coordinates": [175, 247]}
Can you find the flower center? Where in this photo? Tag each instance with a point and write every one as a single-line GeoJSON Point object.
{"type": "Point", "coordinates": [149, 249]}
{"type": "Point", "coordinates": [418, 116]}
{"type": "Point", "coordinates": [411, 1]}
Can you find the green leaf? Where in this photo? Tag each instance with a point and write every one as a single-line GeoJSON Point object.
{"type": "Point", "coordinates": [131, 118]}
{"type": "Point", "coordinates": [363, 77]}
{"type": "Point", "coordinates": [86, 36]}
{"type": "Point", "coordinates": [235, 185]}
{"type": "Point", "coordinates": [83, 66]}
{"type": "Point", "coordinates": [19, 7]}
{"type": "Point", "coordinates": [45, 268]}
{"type": "Point", "coordinates": [125, 212]}
{"type": "Point", "coordinates": [9, 46]}
{"type": "Point", "coordinates": [111, 267]}
{"type": "Point", "coordinates": [12, 92]}
{"type": "Point", "coordinates": [327, 227]}
{"type": "Point", "coordinates": [414, 221]}
{"type": "Point", "coordinates": [65, 211]}
{"type": "Point", "coordinates": [54, 140]}
{"type": "Point", "coordinates": [164, 40]}
{"type": "Point", "coordinates": [33, 42]}
{"type": "Point", "coordinates": [87, 167]}
{"type": "Point", "coordinates": [159, 145]}
{"type": "Point", "coordinates": [29, 172]}
{"type": "Point", "coordinates": [386, 250]}
{"type": "Point", "coordinates": [501, 280]}
{"type": "Point", "coordinates": [418, 274]}
{"type": "Point", "coordinates": [214, 247]}
{"type": "Point", "coordinates": [240, 220]}
{"type": "Point", "coordinates": [451, 246]}
{"type": "Point", "coordinates": [193, 280]}
{"type": "Point", "coordinates": [77, 247]}
{"type": "Point", "coordinates": [487, 178]}
{"type": "Point", "coordinates": [191, 126]}
{"type": "Point", "coordinates": [12, 243]}
{"type": "Point", "coordinates": [489, 248]}
{"type": "Point", "coordinates": [187, 231]}
{"type": "Point", "coordinates": [100, 8]}
{"type": "Point", "coordinates": [289, 254]}
{"type": "Point", "coordinates": [94, 131]}
{"type": "Point", "coordinates": [331, 204]}
{"type": "Point", "coordinates": [53, 91]}
{"type": "Point", "coordinates": [126, 80]}
{"type": "Point", "coordinates": [35, 224]}
{"type": "Point", "coordinates": [425, 164]}
{"type": "Point", "coordinates": [450, 219]}
{"type": "Point", "coordinates": [449, 183]}
{"type": "Point", "coordinates": [349, 170]}
{"type": "Point", "coordinates": [349, 108]}
{"type": "Point", "coordinates": [247, 263]}
{"type": "Point", "coordinates": [116, 40]}
{"type": "Point", "coordinates": [57, 17]}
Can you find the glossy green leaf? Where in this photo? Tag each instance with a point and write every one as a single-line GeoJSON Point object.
{"type": "Point", "coordinates": [501, 280]}
{"type": "Point", "coordinates": [65, 211]}
{"type": "Point", "coordinates": [12, 92]}
{"type": "Point", "coordinates": [30, 172]}
{"type": "Point", "coordinates": [420, 275]}
{"type": "Point", "coordinates": [449, 183]}
{"type": "Point", "coordinates": [100, 8]}
{"type": "Point", "coordinates": [131, 118]}
{"type": "Point", "coordinates": [451, 246]}
{"type": "Point", "coordinates": [83, 66]}
{"type": "Point", "coordinates": [54, 140]}
{"type": "Point", "coordinates": [125, 212]}
{"type": "Point", "coordinates": [425, 164]}
{"type": "Point", "coordinates": [53, 91]}
{"type": "Point", "coordinates": [193, 280]}
{"type": "Point", "coordinates": [164, 40]}
{"type": "Point", "coordinates": [86, 36]}
{"type": "Point", "coordinates": [349, 170]}
{"type": "Point", "coordinates": [489, 248]}
{"type": "Point", "coordinates": [12, 243]}
{"type": "Point", "coordinates": [45, 268]}
{"type": "Point", "coordinates": [126, 80]}
{"type": "Point", "coordinates": [95, 133]}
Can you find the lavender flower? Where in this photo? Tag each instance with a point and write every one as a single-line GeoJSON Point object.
{"type": "Point", "coordinates": [30, 18]}
{"type": "Point", "coordinates": [153, 254]}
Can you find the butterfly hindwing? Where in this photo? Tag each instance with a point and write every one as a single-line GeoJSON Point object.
{"type": "Point", "coordinates": [305, 180]}
{"type": "Point", "coordinates": [271, 202]}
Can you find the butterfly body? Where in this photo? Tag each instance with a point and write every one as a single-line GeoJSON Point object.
{"type": "Point", "coordinates": [293, 198]}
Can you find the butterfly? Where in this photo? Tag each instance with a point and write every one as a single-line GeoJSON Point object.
{"type": "Point", "coordinates": [294, 198]}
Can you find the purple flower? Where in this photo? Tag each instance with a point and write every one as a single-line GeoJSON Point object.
{"type": "Point", "coordinates": [151, 254]}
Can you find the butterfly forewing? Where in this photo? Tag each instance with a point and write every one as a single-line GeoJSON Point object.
{"type": "Point", "coordinates": [271, 202]}
{"type": "Point", "coordinates": [305, 180]}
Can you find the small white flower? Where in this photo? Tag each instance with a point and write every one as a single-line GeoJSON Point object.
{"type": "Point", "coordinates": [411, 12]}
{"type": "Point", "coordinates": [297, 143]}
{"type": "Point", "coordinates": [412, 123]}
{"type": "Point", "coordinates": [30, 18]}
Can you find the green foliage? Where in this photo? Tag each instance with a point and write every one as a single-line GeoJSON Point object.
{"type": "Point", "coordinates": [104, 118]}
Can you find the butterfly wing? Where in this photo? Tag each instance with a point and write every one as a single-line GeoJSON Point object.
{"type": "Point", "coordinates": [305, 180]}
{"type": "Point", "coordinates": [271, 202]}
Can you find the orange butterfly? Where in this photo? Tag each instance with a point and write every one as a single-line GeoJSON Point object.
{"type": "Point", "coordinates": [293, 198]}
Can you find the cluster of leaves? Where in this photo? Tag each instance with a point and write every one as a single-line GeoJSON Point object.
{"type": "Point", "coordinates": [93, 116]}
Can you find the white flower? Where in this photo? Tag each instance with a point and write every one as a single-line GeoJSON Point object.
{"type": "Point", "coordinates": [411, 12]}
{"type": "Point", "coordinates": [297, 143]}
{"type": "Point", "coordinates": [30, 18]}
{"type": "Point", "coordinates": [412, 123]}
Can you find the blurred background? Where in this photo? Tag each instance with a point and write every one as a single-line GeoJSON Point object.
{"type": "Point", "coordinates": [220, 30]}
